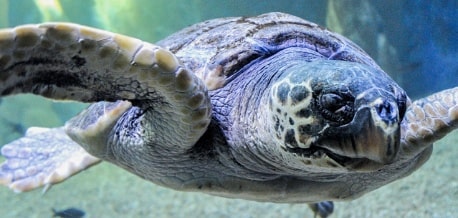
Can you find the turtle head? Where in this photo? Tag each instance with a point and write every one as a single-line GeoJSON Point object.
{"type": "Point", "coordinates": [338, 113]}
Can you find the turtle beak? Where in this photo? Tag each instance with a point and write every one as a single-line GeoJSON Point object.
{"type": "Point", "coordinates": [373, 134]}
{"type": "Point", "coordinates": [386, 130]}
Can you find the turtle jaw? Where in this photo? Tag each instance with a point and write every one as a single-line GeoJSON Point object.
{"type": "Point", "coordinates": [370, 140]}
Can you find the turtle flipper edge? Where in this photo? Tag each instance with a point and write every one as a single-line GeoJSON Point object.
{"type": "Point", "coordinates": [41, 158]}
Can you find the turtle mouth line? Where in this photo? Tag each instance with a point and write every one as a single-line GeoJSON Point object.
{"type": "Point", "coordinates": [352, 163]}
{"type": "Point", "coordinates": [315, 152]}
{"type": "Point", "coordinates": [342, 160]}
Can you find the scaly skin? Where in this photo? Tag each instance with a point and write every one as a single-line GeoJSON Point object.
{"type": "Point", "coordinates": [34, 161]}
{"type": "Point", "coordinates": [428, 120]}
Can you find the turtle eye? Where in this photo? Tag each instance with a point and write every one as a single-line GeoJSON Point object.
{"type": "Point", "coordinates": [336, 108]}
{"type": "Point", "coordinates": [332, 102]}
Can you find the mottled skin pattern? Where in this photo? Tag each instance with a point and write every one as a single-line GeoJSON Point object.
{"type": "Point", "coordinates": [269, 108]}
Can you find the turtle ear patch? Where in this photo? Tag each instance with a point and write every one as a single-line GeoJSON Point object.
{"type": "Point", "coordinates": [291, 94]}
{"type": "Point", "coordinates": [290, 107]}
{"type": "Point", "coordinates": [283, 92]}
{"type": "Point", "coordinates": [298, 94]}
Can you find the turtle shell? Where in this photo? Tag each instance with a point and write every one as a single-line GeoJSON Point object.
{"type": "Point", "coordinates": [216, 49]}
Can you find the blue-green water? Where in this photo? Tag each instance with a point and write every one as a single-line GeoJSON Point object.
{"type": "Point", "coordinates": [414, 41]}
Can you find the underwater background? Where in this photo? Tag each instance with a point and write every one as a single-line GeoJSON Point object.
{"type": "Point", "coordinates": [415, 41]}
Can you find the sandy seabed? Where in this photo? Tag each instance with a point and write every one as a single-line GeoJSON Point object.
{"type": "Point", "coordinates": [108, 191]}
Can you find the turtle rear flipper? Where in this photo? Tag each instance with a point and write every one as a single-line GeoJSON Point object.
{"type": "Point", "coordinates": [42, 157]}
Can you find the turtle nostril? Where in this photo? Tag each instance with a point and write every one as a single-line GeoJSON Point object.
{"type": "Point", "coordinates": [387, 111]}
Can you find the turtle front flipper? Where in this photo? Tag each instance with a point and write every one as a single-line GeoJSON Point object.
{"type": "Point", "coordinates": [72, 62]}
{"type": "Point", "coordinates": [428, 120]}
{"type": "Point", "coordinates": [42, 157]}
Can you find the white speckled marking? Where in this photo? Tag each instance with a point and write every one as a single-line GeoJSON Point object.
{"type": "Point", "coordinates": [288, 112]}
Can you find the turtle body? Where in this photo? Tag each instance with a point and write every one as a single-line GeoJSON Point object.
{"type": "Point", "coordinates": [267, 108]}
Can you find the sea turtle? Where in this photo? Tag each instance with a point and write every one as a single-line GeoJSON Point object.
{"type": "Point", "coordinates": [266, 108]}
